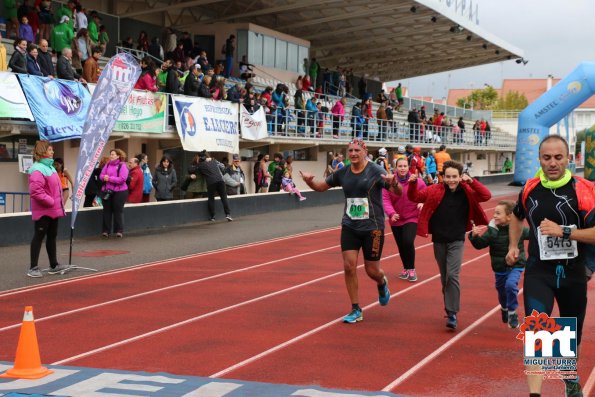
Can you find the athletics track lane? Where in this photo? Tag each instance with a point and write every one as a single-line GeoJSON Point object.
{"type": "Point", "coordinates": [321, 300]}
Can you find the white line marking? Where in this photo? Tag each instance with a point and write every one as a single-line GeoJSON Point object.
{"type": "Point", "coordinates": [441, 349]}
{"type": "Point", "coordinates": [590, 383]}
{"type": "Point", "coordinates": [160, 262]}
{"type": "Point", "coordinates": [20, 290]}
{"type": "Point", "coordinates": [125, 298]}
{"type": "Point", "coordinates": [322, 327]}
{"type": "Point", "coordinates": [205, 315]}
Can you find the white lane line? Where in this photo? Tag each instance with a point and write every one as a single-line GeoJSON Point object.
{"type": "Point", "coordinates": [50, 284]}
{"type": "Point", "coordinates": [200, 280]}
{"type": "Point", "coordinates": [161, 262]}
{"type": "Point", "coordinates": [441, 349]}
{"type": "Point", "coordinates": [205, 315]}
{"type": "Point", "coordinates": [322, 327]}
{"type": "Point", "coordinates": [590, 383]}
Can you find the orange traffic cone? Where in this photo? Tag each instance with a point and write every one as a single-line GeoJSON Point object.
{"type": "Point", "coordinates": [27, 364]}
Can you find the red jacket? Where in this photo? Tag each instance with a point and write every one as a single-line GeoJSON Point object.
{"type": "Point", "coordinates": [432, 196]}
{"type": "Point", "coordinates": [135, 191]}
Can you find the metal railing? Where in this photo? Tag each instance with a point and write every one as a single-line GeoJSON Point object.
{"type": "Point", "coordinates": [17, 201]}
{"type": "Point", "coordinates": [302, 124]}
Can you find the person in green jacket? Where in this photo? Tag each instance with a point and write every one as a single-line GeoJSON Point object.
{"type": "Point", "coordinates": [93, 27]}
{"type": "Point", "coordinates": [12, 22]}
{"type": "Point", "coordinates": [507, 167]}
{"type": "Point", "coordinates": [313, 72]}
{"type": "Point", "coordinates": [66, 10]}
{"type": "Point", "coordinates": [62, 35]}
{"type": "Point", "coordinates": [507, 277]}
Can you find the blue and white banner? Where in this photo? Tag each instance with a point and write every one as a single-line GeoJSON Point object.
{"type": "Point", "coordinates": [111, 93]}
{"type": "Point", "coordinates": [254, 126]}
{"type": "Point", "coordinates": [205, 124]}
{"type": "Point", "coordinates": [59, 106]}
{"type": "Point", "coordinates": [12, 100]}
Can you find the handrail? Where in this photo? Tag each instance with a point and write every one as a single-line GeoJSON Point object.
{"type": "Point", "coordinates": [138, 54]}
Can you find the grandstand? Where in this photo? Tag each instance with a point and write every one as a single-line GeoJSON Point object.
{"type": "Point", "coordinates": [379, 41]}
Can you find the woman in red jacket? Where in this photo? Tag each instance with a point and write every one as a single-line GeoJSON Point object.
{"type": "Point", "coordinates": [449, 210]}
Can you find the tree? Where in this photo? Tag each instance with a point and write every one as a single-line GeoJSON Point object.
{"type": "Point", "coordinates": [513, 100]}
{"type": "Point", "coordinates": [484, 99]}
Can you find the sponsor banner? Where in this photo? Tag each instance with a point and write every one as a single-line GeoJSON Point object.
{"type": "Point", "coordinates": [111, 93]}
{"type": "Point", "coordinates": [205, 124]}
{"type": "Point", "coordinates": [144, 111]}
{"type": "Point", "coordinates": [254, 126]}
{"type": "Point", "coordinates": [78, 381]}
{"type": "Point", "coordinates": [59, 106]}
{"type": "Point", "coordinates": [13, 103]}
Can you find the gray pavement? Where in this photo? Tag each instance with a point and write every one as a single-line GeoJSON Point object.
{"type": "Point", "coordinates": [167, 243]}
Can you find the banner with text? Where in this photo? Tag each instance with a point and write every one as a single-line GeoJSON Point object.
{"type": "Point", "coordinates": [254, 126]}
{"type": "Point", "coordinates": [205, 124]}
{"type": "Point", "coordinates": [144, 111]}
{"type": "Point", "coordinates": [13, 103]}
{"type": "Point", "coordinates": [59, 106]}
{"type": "Point", "coordinates": [111, 93]}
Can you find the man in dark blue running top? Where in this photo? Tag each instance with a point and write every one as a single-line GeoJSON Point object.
{"type": "Point", "coordinates": [363, 220]}
{"type": "Point", "coordinates": [560, 210]}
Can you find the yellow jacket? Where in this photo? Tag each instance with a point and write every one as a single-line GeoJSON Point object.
{"type": "Point", "coordinates": [3, 65]}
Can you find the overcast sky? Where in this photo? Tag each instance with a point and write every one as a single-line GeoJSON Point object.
{"type": "Point", "coordinates": [555, 36]}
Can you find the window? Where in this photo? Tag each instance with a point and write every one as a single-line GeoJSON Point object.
{"type": "Point", "coordinates": [292, 58]}
{"type": "Point", "coordinates": [255, 48]}
{"type": "Point", "coordinates": [268, 52]}
{"type": "Point", "coordinates": [281, 54]}
{"type": "Point", "coordinates": [303, 54]}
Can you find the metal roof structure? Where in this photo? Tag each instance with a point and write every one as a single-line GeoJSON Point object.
{"type": "Point", "coordinates": [388, 40]}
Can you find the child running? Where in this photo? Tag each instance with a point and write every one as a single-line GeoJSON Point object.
{"type": "Point", "coordinates": [507, 277]}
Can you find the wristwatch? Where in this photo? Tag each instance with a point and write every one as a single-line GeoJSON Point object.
{"type": "Point", "coordinates": [566, 232]}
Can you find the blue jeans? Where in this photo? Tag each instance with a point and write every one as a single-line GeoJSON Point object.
{"type": "Point", "coordinates": [507, 285]}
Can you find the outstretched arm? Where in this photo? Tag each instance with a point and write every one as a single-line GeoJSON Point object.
{"type": "Point", "coordinates": [319, 186]}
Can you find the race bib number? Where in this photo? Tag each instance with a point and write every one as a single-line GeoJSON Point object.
{"type": "Point", "coordinates": [358, 208]}
{"type": "Point", "coordinates": [551, 247]}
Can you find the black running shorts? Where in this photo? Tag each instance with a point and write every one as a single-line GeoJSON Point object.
{"type": "Point", "coordinates": [370, 241]}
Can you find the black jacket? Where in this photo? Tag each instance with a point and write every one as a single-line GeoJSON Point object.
{"type": "Point", "coordinates": [191, 85]}
{"type": "Point", "coordinates": [65, 69]}
{"type": "Point", "coordinates": [44, 59]}
{"type": "Point", "coordinates": [18, 62]}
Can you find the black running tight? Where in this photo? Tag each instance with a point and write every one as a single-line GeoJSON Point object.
{"type": "Point", "coordinates": [405, 238]}
{"type": "Point", "coordinates": [44, 227]}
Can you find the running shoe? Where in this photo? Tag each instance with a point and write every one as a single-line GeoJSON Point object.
{"type": "Point", "coordinates": [451, 321]}
{"type": "Point", "coordinates": [504, 313]}
{"type": "Point", "coordinates": [572, 388]}
{"type": "Point", "coordinates": [35, 272]}
{"type": "Point", "coordinates": [58, 269]}
{"type": "Point", "coordinates": [104, 235]}
{"type": "Point", "coordinates": [513, 320]}
{"type": "Point", "coordinates": [383, 293]}
{"type": "Point", "coordinates": [412, 276]}
{"type": "Point", "coordinates": [228, 217]}
{"type": "Point", "coordinates": [353, 317]}
{"type": "Point", "coordinates": [404, 275]}
{"type": "Point", "coordinates": [303, 198]}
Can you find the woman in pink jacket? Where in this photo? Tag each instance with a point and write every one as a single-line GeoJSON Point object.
{"type": "Point", "coordinates": [114, 192]}
{"type": "Point", "coordinates": [338, 112]}
{"type": "Point", "coordinates": [46, 207]}
{"type": "Point", "coordinates": [403, 215]}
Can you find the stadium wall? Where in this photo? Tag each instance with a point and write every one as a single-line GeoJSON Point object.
{"type": "Point", "coordinates": [145, 216]}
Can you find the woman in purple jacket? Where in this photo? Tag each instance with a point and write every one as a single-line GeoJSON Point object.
{"type": "Point", "coordinates": [46, 207]}
{"type": "Point", "coordinates": [402, 215]}
{"type": "Point", "coordinates": [114, 192]}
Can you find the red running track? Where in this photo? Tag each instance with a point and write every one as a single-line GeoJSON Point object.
{"type": "Point", "coordinates": [270, 312]}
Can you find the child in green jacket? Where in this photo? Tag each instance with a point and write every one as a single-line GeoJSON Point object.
{"type": "Point", "coordinates": [507, 277]}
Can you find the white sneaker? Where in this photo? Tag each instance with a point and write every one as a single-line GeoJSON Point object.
{"type": "Point", "coordinates": [35, 272]}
